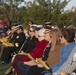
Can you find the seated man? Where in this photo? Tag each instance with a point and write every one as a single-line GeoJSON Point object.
{"type": "Point", "coordinates": [16, 44]}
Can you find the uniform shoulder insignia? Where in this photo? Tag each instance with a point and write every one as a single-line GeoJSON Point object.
{"type": "Point", "coordinates": [16, 44]}
{"type": "Point", "coordinates": [17, 37]}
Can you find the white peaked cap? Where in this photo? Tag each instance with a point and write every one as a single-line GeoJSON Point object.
{"type": "Point", "coordinates": [41, 32]}
{"type": "Point", "coordinates": [34, 25]}
{"type": "Point", "coordinates": [38, 26]}
{"type": "Point", "coordinates": [18, 26]}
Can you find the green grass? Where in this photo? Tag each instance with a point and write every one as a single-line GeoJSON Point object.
{"type": "Point", "coordinates": [3, 67]}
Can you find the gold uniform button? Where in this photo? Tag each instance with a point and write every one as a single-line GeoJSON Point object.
{"type": "Point", "coordinates": [16, 44]}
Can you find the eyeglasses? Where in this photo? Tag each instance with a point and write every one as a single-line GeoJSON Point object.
{"type": "Point", "coordinates": [30, 30]}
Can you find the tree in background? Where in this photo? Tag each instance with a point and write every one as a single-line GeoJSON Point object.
{"type": "Point", "coordinates": [47, 10]}
{"type": "Point", "coordinates": [10, 9]}
{"type": "Point", "coordinates": [74, 19]}
{"type": "Point", "coordinates": [38, 11]}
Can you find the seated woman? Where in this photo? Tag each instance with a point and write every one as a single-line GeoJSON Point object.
{"type": "Point", "coordinates": [36, 52]}
{"type": "Point", "coordinates": [70, 64]}
{"type": "Point", "coordinates": [67, 38]}
{"type": "Point", "coordinates": [36, 69]}
{"type": "Point", "coordinates": [29, 44]}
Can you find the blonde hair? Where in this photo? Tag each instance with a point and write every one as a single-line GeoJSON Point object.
{"type": "Point", "coordinates": [55, 35]}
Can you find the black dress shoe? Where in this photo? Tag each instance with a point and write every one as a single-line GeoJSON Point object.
{"type": "Point", "coordinates": [5, 74]}
{"type": "Point", "coordinates": [8, 73]}
{"type": "Point", "coordinates": [14, 73]}
{"type": "Point", "coordinates": [3, 62]}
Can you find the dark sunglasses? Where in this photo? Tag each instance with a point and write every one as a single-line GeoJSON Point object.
{"type": "Point", "coordinates": [30, 30]}
{"type": "Point", "coordinates": [17, 29]}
